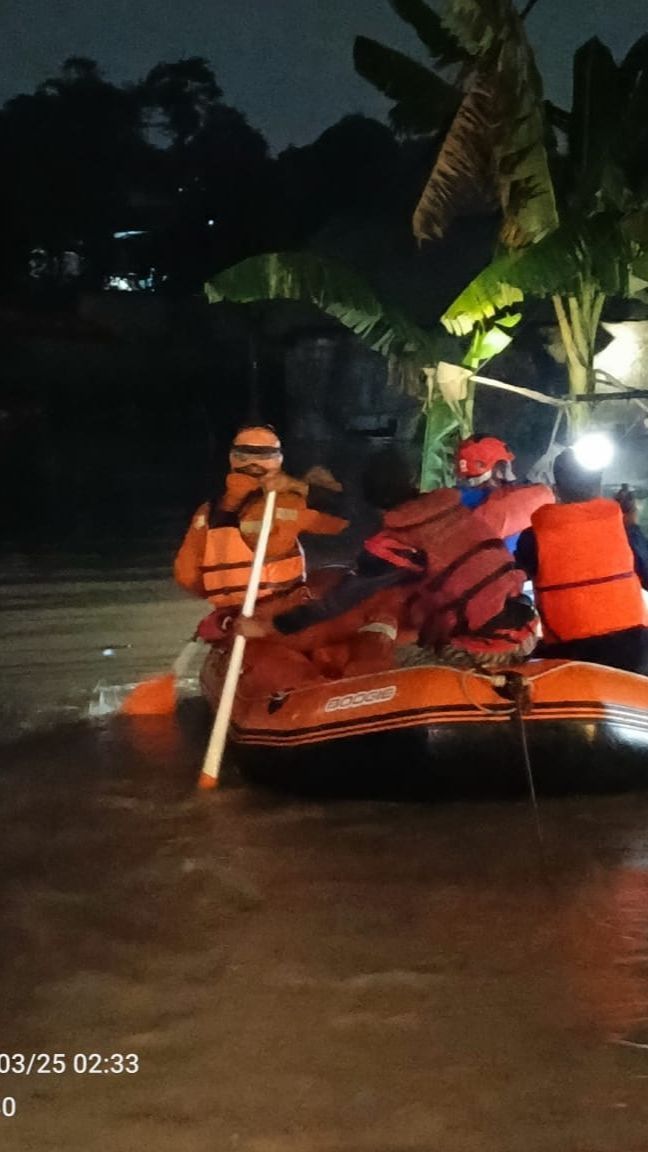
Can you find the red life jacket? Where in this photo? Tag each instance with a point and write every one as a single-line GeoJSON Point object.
{"type": "Point", "coordinates": [586, 583]}
{"type": "Point", "coordinates": [470, 573]}
{"type": "Point", "coordinates": [508, 510]}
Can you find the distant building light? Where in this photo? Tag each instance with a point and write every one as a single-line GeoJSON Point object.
{"type": "Point", "coordinates": [129, 232]}
{"type": "Point", "coordinates": [120, 284]}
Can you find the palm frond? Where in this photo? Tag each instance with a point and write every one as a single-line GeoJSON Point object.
{"type": "Point", "coordinates": [334, 289]}
{"type": "Point", "coordinates": [444, 48]}
{"type": "Point", "coordinates": [596, 124]}
{"type": "Point", "coordinates": [462, 166]}
{"type": "Point", "coordinates": [424, 101]}
{"type": "Point", "coordinates": [522, 175]}
{"type": "Point", "coordinates": [636, 59]}
{"type": "Point", "coordinates": [594, 251]}
{"type": "Point", "coordinates": [497, 138]}
{"type": "Point", "coordinates": [558, 117]}
{"type": "Point", "coordinates": [419, 116]}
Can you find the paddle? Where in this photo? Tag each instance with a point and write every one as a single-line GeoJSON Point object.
{"type": "Point", "coordinates": [213, 757]}
{"type": "Point", "coordinates": [158, 697]}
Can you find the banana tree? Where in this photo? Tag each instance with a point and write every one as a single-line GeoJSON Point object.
{"type": "Point", "coordinates": [413, 352]}
{"type": "Point", "coordinates": [571, 186]}
{"type": "Point", "coordinates": [599, 250]}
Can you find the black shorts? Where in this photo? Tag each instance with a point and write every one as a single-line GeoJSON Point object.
{"type": "Point", "coordinates": [627, 650]}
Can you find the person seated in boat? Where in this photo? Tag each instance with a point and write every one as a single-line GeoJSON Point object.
{"type": "Point", "coordinates": [358, 642]}
{"type": "Point", "coordinates": [487, 485]}
{"type": "Point", "coordinates": [585, 563]}
{"type": "Point", "coordinates": [457, 585]}
{"type": "Point", "coordinates": [627, 501]}
{"type": "Point", "coordinates": [215, 558]}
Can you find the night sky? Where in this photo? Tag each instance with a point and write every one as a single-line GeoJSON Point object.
{"type": "Point", "coordinates": [285, 63]}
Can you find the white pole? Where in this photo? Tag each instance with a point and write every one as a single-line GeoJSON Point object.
{"type": "Point", "coordinates": [214, 755]}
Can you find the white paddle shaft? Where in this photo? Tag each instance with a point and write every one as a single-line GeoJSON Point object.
{"type": "Point", "coordinates": [214, 755]}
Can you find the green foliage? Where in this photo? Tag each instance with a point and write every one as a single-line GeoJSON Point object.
{"type": "Point", "coordinates": [598, 250]}
{"type": "Point", "coordinates": [494, 147]}
{"type": "Point", "coordinates": [444, 48]}
{"type": "Point", "coordinates": [424, 102]}
{"type": "Point", "coordinates": [441, 432]}
{"type": "Point", "coordinates": [489, 342]}
{"type": "Point", "coordinates": [309, 279]}
{"type": "Point", "coordinates": [336, 290]}
{"type": "Point", "coordinates": [593, 126]}
{"type": "Point", "coordinates": [496, 144]}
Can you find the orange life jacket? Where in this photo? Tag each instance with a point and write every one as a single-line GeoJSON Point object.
{"type": "Point", "coordinates": [586, 583]}
{"type": "Point", "coordinates": [215, 557]}
{"type": "Point", "coordinates": [229, 550]}
{"type": "Point", "coordinates": [470, 573]}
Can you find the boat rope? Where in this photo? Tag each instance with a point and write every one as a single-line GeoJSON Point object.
{"type": "Point", "coordinates": [520, 690]}
{"type": "Point", "coordinates": [498, 681]}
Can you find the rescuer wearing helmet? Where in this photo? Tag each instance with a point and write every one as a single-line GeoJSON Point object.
{"type": "Point", "coordinates": [584, 565]}
{"type": "Point", "coordinates": [215, 558]}
{"type": "Point", "coordinates": [456, 585]}
{"type": "Point", "coordinates": [483, 466]}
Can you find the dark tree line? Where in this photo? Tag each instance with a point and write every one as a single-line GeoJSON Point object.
{"type": "Point", "coordinates": [168, 159]}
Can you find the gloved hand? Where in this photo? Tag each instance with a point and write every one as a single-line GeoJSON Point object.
{"type": "Point", "coordinates": [322, 478]}
{"type": "Point", "coordinates": [282, 482]}
{"type": "Point", "coordinates": [252, 628]}
{"type": "Point", "coordinates": [627, 500]}
{"type": "Point", "coordinates": [217, 626]}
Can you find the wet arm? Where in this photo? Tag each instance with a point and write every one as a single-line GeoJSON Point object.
{"type": "Point", "coordinates": [371, 575]}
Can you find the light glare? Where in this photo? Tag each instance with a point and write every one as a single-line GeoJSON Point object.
{"type": "Point", "coordinates": [594, 452]}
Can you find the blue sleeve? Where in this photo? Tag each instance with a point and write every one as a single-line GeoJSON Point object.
{"type": "Point", "coordinates": [639, 546]}
{"type": "Point", "coordinates": [473, 497]}
{"type": "Point", "coordinates": [526, 553]}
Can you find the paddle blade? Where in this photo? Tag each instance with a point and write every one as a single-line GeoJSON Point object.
{"type": "Point", "coordinates": [152, 698]}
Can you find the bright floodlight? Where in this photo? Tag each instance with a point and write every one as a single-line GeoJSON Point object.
{"type": "Point", "coordinates": [594, 451]}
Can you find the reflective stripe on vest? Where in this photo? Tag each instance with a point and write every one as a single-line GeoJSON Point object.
{"type": "Point", "coordinates": [388, 630]}
{"type": "Point", "coordinates": [253, 527]}
{"type": "Point", "coordinates": [227, 564]}
{"type": "Point", "coordinates": [585, 584]}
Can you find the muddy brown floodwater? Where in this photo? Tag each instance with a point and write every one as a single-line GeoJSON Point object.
{"type": "Point", "coordinates": [293, 976]}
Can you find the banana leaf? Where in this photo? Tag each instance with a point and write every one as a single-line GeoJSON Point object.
{"type": "Point", "coordinates": [336, 290]}
{"type": "Point", "coordinates": [444, 48]}
{"type": "Point", "coordinates": [497, 138]}
{"type": "Point", "coordinates": [595, 252]}
{"type": "Point", "coordinates": [424, 102]}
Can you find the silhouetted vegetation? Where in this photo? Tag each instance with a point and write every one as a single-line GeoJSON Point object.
{"type": "Point", "coordinates": [157, 184]}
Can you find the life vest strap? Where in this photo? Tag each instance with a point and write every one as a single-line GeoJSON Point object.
{"type": "Point", "coordinates": [394, 552]}
{"type": "Point", "coordinates": [293, 553]}
{"type": "Point", "coordinates": [483, 546]}
{"type": "Point", "coordinates": [585, 583]}
{"type": "Point", "coordinates": [460, 604]}
{"type": "Point", "coordinates": [271, 587]}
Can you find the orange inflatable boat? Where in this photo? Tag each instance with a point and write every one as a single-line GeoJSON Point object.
{"type": "Point", "coordinates": [446, 730]}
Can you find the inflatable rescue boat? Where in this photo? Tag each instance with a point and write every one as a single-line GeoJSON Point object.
{"type": "Point", "coordinates": [441, 730]}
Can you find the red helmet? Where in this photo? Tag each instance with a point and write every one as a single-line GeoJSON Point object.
{"type": "Point", "coordinates": [477, 456]}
